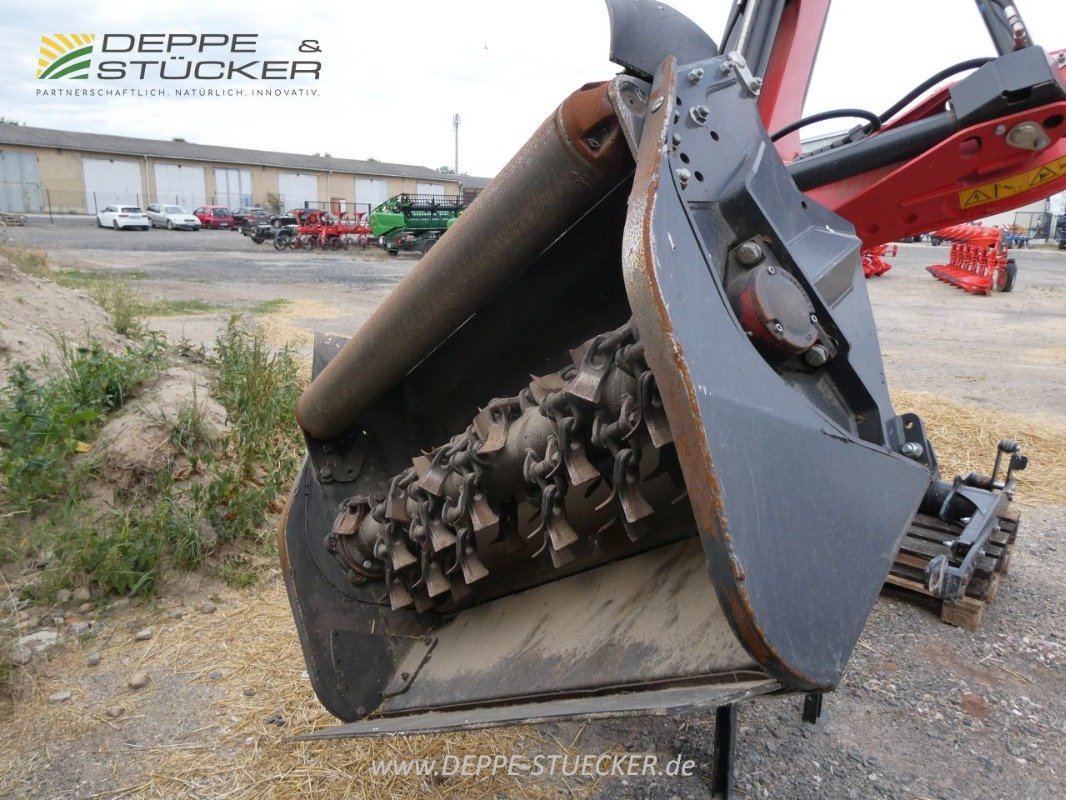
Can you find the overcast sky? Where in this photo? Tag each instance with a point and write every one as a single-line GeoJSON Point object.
{"type": "Point", "coordinates": [394, 74]}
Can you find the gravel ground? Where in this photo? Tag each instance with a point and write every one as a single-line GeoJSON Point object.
{"type": "Point", "coordinates": [328, 291]}
{"type": "Point", "coordinates": [926, 711]}
{"type": "Point", "coordinates": [221, 256]}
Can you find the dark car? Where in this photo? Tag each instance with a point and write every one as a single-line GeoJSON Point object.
{"type": "Point", "coordinates": [214, 217]}
{"type": "Point", "coordinates": [253, 214]}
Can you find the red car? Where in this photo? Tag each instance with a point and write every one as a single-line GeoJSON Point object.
{"type": "Point", "coordinates": [214, 217]}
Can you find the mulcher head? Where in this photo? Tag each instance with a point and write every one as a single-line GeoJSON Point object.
{"type": "Point", "coordinates": [634, 453]}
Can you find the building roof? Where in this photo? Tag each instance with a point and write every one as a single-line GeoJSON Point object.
{"type": "Point", "coordinates": [155, 148]}
{"type": "Point", "coordinates": [473, 181]}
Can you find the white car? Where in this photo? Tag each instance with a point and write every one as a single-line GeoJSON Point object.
{"type": "Point", "coordinates": [171, 217]}
{"type": "Point", "coordinates": [122, 217]}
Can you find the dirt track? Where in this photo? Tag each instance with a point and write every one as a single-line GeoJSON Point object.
{"type": "Point", "coordinates": [925, 711]}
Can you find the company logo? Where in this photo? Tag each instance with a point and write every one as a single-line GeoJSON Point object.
{"type": "Point", "coordinates": [65, 55]}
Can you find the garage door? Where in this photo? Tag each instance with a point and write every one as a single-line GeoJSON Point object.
{"type": "Point", "coordinates": [431, 188]}
{"type": "Point", "coordinates": [370, 193]}
{"type": "Point", "coordinates": [298, 190]}
{"type": "Point", "coordinates": [108, 181]}
{"type": "Point", "coordinates": [233, 188]}
{"type": "Point", "coordinates": [182, 184]}
{"type": "Point", "coordinates": [20, 188]}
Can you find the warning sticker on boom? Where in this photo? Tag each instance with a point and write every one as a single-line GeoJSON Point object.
{"type": "Point", "coordinates": [1013, 185]}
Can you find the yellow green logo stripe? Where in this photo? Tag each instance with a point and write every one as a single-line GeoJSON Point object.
{"type": "Point", "coordinates": [65, 55]}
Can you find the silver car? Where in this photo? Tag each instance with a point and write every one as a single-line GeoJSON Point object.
{"type": "Point", "coordinates": [171, 217]}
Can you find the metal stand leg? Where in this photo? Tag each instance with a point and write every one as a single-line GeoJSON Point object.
{"type": "Point", "coordinates": [812, 707]}
{"type": "Point", "coordinates": [813, 713]}
{"type": "Point", "coordinates": [725, 738]}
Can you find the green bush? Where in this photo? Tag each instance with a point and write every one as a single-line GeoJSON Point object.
{"type": "Point", "coordinates": [40, 428]}
{"type": "Point", "coordinates": [42, 424]}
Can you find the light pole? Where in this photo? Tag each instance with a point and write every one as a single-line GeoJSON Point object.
{"type": "Point", "coordinates": [455, 124]}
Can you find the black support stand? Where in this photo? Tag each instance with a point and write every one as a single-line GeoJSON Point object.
{"type": "Point", "coordinates": [725, 738]}
{"type": "Point", "coordinates": [815, 717]}
{"type": "Point", "coordinates": [812, 708]}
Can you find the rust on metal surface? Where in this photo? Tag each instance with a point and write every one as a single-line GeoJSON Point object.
{"type": "Point", "coordinates": [667, 360]}
{"type": "Point", "coordinates": [569, 164]}
{"type": "Point", "coordinates": [589, 124]}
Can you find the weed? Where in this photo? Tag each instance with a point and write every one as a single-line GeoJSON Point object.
{"type": "Point", "coordinates": [270, 306]}
{"type": "Point", "coordinates": [32, 262]}
{"type": "Point", "coordinates": [123, 557]}
{"type": "Point", "coordinates": [258, 388]}
{"type": "Point", "coordinates": [175, 522]}
{"type": "Point", "coordinates": [189, 432]}
{"type": "Point", "coordinates": [35, 262]}
{"type": "Point", "coordinates": [92, 376]}
{"type": "Point", "coordinates": [40, 428]}
{"type": "Point", "coordinates": [42, 424]}
{"type": "Point", "coordinates": [128, 313]}
{"type": "Point", "coordinates": [239, 571]}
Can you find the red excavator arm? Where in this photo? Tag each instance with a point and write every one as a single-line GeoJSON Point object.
{"type": "Point", "coordinates": [1013, 152]}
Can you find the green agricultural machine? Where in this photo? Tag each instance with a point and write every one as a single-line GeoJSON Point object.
{"type": "Point", "coordinates": [414, 221]}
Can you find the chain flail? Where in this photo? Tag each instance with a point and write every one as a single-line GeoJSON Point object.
{"type": "Point", "coordinates": [584, 425]}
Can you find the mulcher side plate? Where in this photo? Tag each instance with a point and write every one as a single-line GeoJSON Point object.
{"type": "Point", "coordinates": [800, 517]}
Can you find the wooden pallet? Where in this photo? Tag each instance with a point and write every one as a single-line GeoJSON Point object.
{"type": "Point", "coordinates": [17, 220]}
{"type": "Point", "coordinates": [929, 537]}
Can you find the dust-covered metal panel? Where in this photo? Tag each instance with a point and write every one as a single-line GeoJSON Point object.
{"type": "Point", "coordinates": [20, 185]}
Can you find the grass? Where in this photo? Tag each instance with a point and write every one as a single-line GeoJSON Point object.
{"type": "Point", "coordinates": [178, 308]}
{"type": "Point", "coordinates": [45, 424]}
{"type": "Point", "coordinates": [32, 262]}
{"type": "Point", "coordinates": [114, 296]}
{"type": "Point", "coordinates": [121, 553]}
{"type": "Point", "coordinates": [9, 634]}
{"type": "Point", "coordinates": [35, 262]}
{"type": "Point", "coordinates": [189, 433]}
{"type": "Point", "coordinates": [47, 427]}
{"type": "Point", "coordinates": [125, 307]}
{"type": "Point", "coordinates": [175, 523]}
{"type": "Point", "coordinates": [86, 279]}
{"type": "Point", "coordinates": [239, 571]}
{"type": "Point", "coordinates": [269, 306]}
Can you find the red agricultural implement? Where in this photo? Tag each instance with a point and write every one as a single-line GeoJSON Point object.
{"type": "Point", "coordinates": [316, 229]}
{"type": "Point", "coordinates": [978, 262]}
{"type": "Point", "coordinates": [873, 259]}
